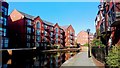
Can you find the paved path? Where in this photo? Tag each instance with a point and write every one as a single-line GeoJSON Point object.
{"type": "Point", "coordinates": [80, 59]}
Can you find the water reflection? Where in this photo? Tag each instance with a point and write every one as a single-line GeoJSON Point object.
{"type": "Point", "coordinates": [31, 59]}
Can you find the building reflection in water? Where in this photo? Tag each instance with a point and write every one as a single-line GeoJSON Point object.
{"type": "Point", "coordinates": [28, 59]}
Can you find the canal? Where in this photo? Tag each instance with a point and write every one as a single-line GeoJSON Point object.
{"type": "Point", "coordinates": [34, 59]}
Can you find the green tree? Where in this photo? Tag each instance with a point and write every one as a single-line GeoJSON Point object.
{"type": "Point", "coordinates": [96, 43]}
{"type": "Point", "coordinates": [113, 58]}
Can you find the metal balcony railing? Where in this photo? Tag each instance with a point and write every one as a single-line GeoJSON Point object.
{"type": "Point", "coordinates": [116, 19]}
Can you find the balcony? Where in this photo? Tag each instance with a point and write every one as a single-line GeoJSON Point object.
{"type": "Point", "coordinates": [102, 27]}
{"type": "Point", "coordinates": [61, 41]}
{"type": "Point", "coordinates": [52, 36]}
{"type": "Point", "coordinates": [71, 42]}
{"type": "Point", "coordinates": [61, 36]}
{"type": "Point", "coordinates": [46, 34]}
{"type": "Point", "coordinates": [46, 28]}
{"type": "Point", "coordinates": [116, 20]}
{"type": "Point", "coordinates": [52, 30]}
{"type": "Point", "coordinates": [71, 33]}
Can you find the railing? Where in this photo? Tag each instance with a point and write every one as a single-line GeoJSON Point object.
{"type": "Point", "coordinates": [115, 19]}
{"type": "Point", "coordinates": [98, 53]}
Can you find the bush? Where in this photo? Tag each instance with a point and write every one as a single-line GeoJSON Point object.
{"type": "Point", "coordinates": [85, 44]}
{"type": "Point", "coordinates": [97, 43]}
{"type": "Point", "coordinates": [113, 58]}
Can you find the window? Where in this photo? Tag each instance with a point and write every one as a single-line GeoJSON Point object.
{"type": "Point", "coordinates": [51, 34]}
{"type": "Point", "coordinates": [32, 37]}
{"type": "Point", "coordinates": [28, 30]}
{"type": "Point", "coordinates": [28, 37]}
{"type": "Point", "coordinates": [56, 41]}
{"type": "Point", "coordinates": [61, 36]}
{"type": "Point", "coordinates": [4, 10]}
{"type": "Point", "coordinates": [4, 32]}
{"type": "Point", "coordinates": [4, 42]}
{"type": "Point", "coordinates": [45, 33]}
{"type": "Point", "coordinates": [61, 31]}
{"type": "Point", "coordinates": [45, 39]}
{"type": "Point", "coordinates": [5, 21]}
{"type": "Point", "coordinates": [37, 44]}
{"type": "Point", "coordinates": [28, 45]}
{"type": "Point", "coordinates": [28, 22]}
{"type": "Point", "coordinates": [1, 20]}
{"type": "Point", "coordinates": [56, 35]}
{"type": "Point", "coordinates": [51, 28]}
{"type": "Point", "coordinates": [37, 38]}
{"type": "Point", "coordinates": [68, 31]}
{"type": "Point", "coordinates": [37, 32]}
{"type": "Point", "coordinates": [0, 32]}
{"type": "Point", "coordinates": [45, 26]}
{"type": "Point", "coordinates": [56, 30]}
{"type": "Point", "coordinates": [38, 25]}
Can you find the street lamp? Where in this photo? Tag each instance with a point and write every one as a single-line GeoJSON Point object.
{"type": "Point", "coordinates": [88, 31]}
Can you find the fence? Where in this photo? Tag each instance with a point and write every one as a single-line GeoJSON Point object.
{"type": "Point", "coordinates": [98, 53]}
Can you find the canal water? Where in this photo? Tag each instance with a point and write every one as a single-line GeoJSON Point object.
{"type": "Point", "coordinates": [32, 59]}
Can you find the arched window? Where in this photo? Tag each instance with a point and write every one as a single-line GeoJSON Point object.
{"type": "Point", "coordinates": [38, 24]}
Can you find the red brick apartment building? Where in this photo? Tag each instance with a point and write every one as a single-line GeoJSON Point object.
{"type": "Point", "coordinates": [20, 30]}
{"type": "Point", "coordinates": [82, 37]}
{"type": "Point", "coordinates": [3, 24]}
{"type": "Point", "coordinates": [43, 33]}
{"type": "Point", "coordinates": [108, 22]}
{"type": "Point", "coordinates": [29, 31]}
{"type": "Point", "coordinates": [59, 35]}
{"type": "Point", "coordinates": [69, 35]}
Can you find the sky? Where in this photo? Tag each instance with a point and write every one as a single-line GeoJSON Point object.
{"type": "Point", "coordinates": [81, 15]}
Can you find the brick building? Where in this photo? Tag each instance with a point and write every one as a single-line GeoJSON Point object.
{"type": "Point", "coordinates": [108, 22]}
{"type": "Point", "coordinates": [82, 37]}
{"type": "Point", "coordinates": [69, 35]}
{"type": "Point", "coordinates": [20, 30]}
{"type": "Point", "coordinates": [3, 24]}
{"type": "Point", "coordinates": [59, 35]}
{"type": "Point", "coordinates": [28, 31]}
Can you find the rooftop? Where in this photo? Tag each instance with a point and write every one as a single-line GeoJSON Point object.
{"type": "Point", "coordinates": [49, 23]}
{"type": "Point", "coordinates": [27, 15]}
{"type": "Point", "coordinates": [64, 27]}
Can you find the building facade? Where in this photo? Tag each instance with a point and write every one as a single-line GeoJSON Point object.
{"type": "Point", "coordinates": [3, 24]}
{"type": "Point", "coordinates": [20, 30]}
{"type": "Point", "coordinates": [26, 31]}
{"type": "Point", "coordinates": [108, 23]}
{"type": "Point", "coordinates": [82, 37]}
{"type": "Point", "coordinates": [59, 36]}
{"type": "Point", "coordinates": [69, 35]}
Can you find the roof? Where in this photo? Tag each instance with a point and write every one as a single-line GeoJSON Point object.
{"type": "Point", "coordinates": [49, 23]}
{"type": "Point", "coordinates": [64, 27]}
{"type": "Point", "coordinates": [27, 15]}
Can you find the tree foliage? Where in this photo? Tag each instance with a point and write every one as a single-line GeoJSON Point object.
{"type": "Point", "coordinates": [113, 58]}
{"type": "Point", "coordinates": [96, 43]}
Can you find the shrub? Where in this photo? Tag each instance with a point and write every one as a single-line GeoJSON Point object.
{"type": "Point", "coordinates": [85, 44]}
{"type": "Point", "coordinates": [113, 58]}
{"type": "Point", "coordinates": [97, 43]}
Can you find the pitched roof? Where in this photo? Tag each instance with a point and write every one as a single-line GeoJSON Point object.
{"type": "Point", "coordinates": [49, 23]}
{"type": "Point", "coordinates": [64, 27]}
{"type": "Point", "coordinates": [27, 15]}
